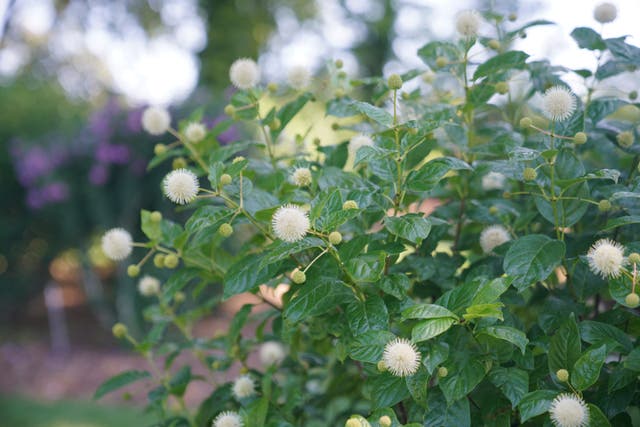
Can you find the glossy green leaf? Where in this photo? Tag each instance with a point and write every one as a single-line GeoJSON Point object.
{"type": "Point", "coordinates": [119, 381]}
{"type": "Point", "coordinates": [535, 403]}
{"type": "Point", "coordinates": [565, 347]}
{"type": "Point", "coordinates": [507, 333]}
{"type": "Point", "coordinates": [532, 258]}
{"type": "Point", "coordinates": [412, 227]}
{"type": "Point", "coordinates": [586, 370]}
{"type": "Point", "coordinates": [431, 328]}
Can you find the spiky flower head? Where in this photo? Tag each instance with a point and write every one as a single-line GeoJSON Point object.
{"type": "Point", "coordinates": [569, 410]}
{"type": "Point", "coordinates": [149, 286]}
{"type": "Point", "coordinates": [301, 177]}
{"type": "Point", "coordinates": [492, 237]}
{"type": "Point", "coordinates": [558, 103]}
{"type": "Point", "coordinates": [272, 353]}
{"type": "Point", "coordinates": [468, 23]}
{"type": "Point", "coordinates": [290, 223]}
{"type": "Point", "coordinates": [605, 12]}
{"type": "Point", "coordinates": [228, 419]}
{"type": "Point", "coordinates": [606, 258]}
{"type": "Point", "coordinates": [358, 141]}
{"type": "Point", "coordinates": [299, 77]}
{"type": "Point", "coordinates": [117, 244]}
{"type": "Point", "coordinates": [401, 357]}
{"type": "Point", "coordinates": [244, 73]}
{"type": "Point", "coordinates": [181, 186]}
{"type": "Point", "coordinates": [493, 181]}
{"type": "Point", "coordinates": [156, 120]}
{"type": "Point", "coordinates": [243, 387]}
{"type": "Point", "coordinates": [195, 132]}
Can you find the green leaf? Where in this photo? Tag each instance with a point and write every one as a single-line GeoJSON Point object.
{"type": "Point", "coordinates": [386, 390]}
{"type": "Point", "coordinates": [425, 178]}
{"type": "Point", "coordinates": [246, 274]}
{"type": "Point", "coordinates": [596, 417]}
{"type": "Point", "coordinates": [395, 285]}
{"type": "Point", "coordinates": [368, 315]}
{"type": "Point", "coordinates": [411, 227]}
{"type": "Point", "coordinates": [600, 108]}
{"type": "Point", "coordinates": [513, 382]}
{"type": "Point", "coordinates": [588, 39]}
{"type": "Point", "coordinates": [436, 353]}
{"type": "Point", "coordinates": [368, 347]}
{"type": "Point", "coordinates": [564, 347]}
{"type": "Point", "coordinates": [535, 403]}
{"type": "Point", "coordinates": [238, 322]}
{"type": "Point", "coordinates": [417, 385]}
{"type": "Point", "coordinates": [441, 413]}
{"type": "Point", "coordinates": [621, 221]}
{"type": "Point", "coordinates": [586, 370]}
{"type": "Point", "coordinates": [179, 382]}
{"type": "Point", "coordinates": [427, 311]}
{"type": "Point", "coordinates": [430, 328]}
{"type": "Point", "coordinates": [366, 268]}
{"type": "Point", "coordinates": [480, 311]}
{"type": "Point", "coordinates": [430, 52]}
{"type": "Point", "coordinates": [458, 384]}
{"type": "Point", "coordinates": [376, 114]}
{"type": "Point", "coordinates": [507, 333]}
{"type": "Point", "coordinates": [119, 381]}
{"type": "Point", "coordinates": [150, 228]}
{"type": "Point", "coordinates": [280, 250]}
{"type": "Point", "coordinates": [632, 362]}
{"type": "Point", "coordinates": [288, 111]}
{"type": "Point", "coordinates": [511, 60]}
{"type": "Point", "coordinates": [532, 258]}
{"type": "Point", "coordinates": [314, 298]}
{"type": "Point", "coordinates": [597, 333]}
{"type": "Point", "coordinates": [490, 291]}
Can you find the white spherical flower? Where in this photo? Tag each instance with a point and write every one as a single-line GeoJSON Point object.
{"type": "Point", "coordinates": [272, 353]}
{"type": "Point", "coordinates": [299, 77]}
{"type": "Point", "coordinates": [290, 223]}
{"type": "Point", "coordinates": [558, 103]}
{"type": "Point", "coordinates": [493, 181]}
{"type": "Point", "coordinates": [149, 286]}
{"type": "Point", "coordinates": [243, 387]}
{"type": "Point", "coordinates": [228, 419]}
{"type": "Point", "coordinates": [301, 177]}
{"type": "Point", "coordinates": [181, 186]}
{"type": "Point", "coordinates": [195, 132]}
{"type": "Point", "coordinates": [606, 258]}
{"type": "Point", "coordinates": [468, 23]}
{"type": "Point", "coordinates": [156, 120]}
{"type": "Point", "coordinates": [492, 237]}
{"type": "Point", "coordinates": [117, 244]}
{"type": "Point", "coordinates": [244, 73]}
{"type": "Point", "coordinates": [568, 410]}
{"type": "Point", "coordinates": [605, 12]}
{"type": "Point", "coordinates": [358, 141]}
{"type": "Point", "coordinates": [401, 357]}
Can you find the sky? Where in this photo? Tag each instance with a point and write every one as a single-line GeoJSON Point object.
{"type": "Point", "coordinates": [163, 69]}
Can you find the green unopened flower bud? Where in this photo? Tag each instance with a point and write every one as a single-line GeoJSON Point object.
{"type": "Point", "coordinates": [126, 396]}
{"type": "Point", "coordinates": [275, 124]}
{"type": "Point", "coordinates": [381, 366]}
{"type": "Point", "coordinates": [244, 370]}
{"type": "Point", "coordinates": [506, 195]}
{"type": "Point", "coordinates": [394, 81]}
{"type": "Point", "coordinates": [494, 44]}
{"type": "Point", "coordinates": [229, 110]}
{"type": "Point", "coordinates": [216, 365]}
{"type": "Point", "coordinates": [352, 422]}
{"type": "Point", "coordinates": [512, 17]}
{"type": "Point", "coordinates": [526, 122]}
{"type": "Point", "coordinates": [119, 330]}
{"type": "Point", "coordinates": [428, 77]}
{"type": "Point", "coordinates": [385, 421]}
{"type": "Point", "coordinates": [339, 63]}
{"type": "Point", "coordinates": [133, 270]}
{"type": "Point", "coordinates": [339, 93]}
{"type": "Point", "coordinates": [272, 87]}
{"type": "Point", "coordinates": [159, 149]}
{"type": "Point", "coordinates": [633, 95]}
{"type": "Point", "coordinates": [493, 210]}
{"type": "Point", "coordinates": [155, 217]}
{"type": "Point", "coordinates": [298, 276]}
{"type": "Point", "coordinates": [158, 260]}
{"type": "Point", "coordinates": [179, 297]}
{"type": "Point", "coordinates": [562, 375]}
{"type": "Point", "coordinates": [405, 95]}
{"type": "Point", "coordinates": [335, 126]}
{"type": "Point", "coordinates": [335, 237]}
{"type": "Point", "coordinates": [443, 372]}
{"type": "Point", "coordinates": [317, 142]}
{"type": "Point", "coordinates": [502, 87]}
{"type": "Point", "coordinates": [632, 300]}
{"type": "Point", "coordinates": [529, 174]}
{"type": "Point", "coordinates": [350, 204]}
{"type": "Point", "coordinates": [179, 163]}
{"type": "Point", "coordinates": [225, 179]}
{"type": "Point", "coordinates": [342, 75]}
{"type": "Point", "coordinates": [604, 205]}
{"type": "Point", "coordinates": [634, 258]}
{"type": "Point", "coordinates": [225, 230]}
{"type": "Point", "coordinates": [441, 61]}
{"type": "Point", "coordinates": [580, 138]}
{"type": "Point", "coordinates": [625, 139]}
{"type": "Point", "coordinates": [237, 159]}
{"type": "Point", "coordinates": [171, 261]}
